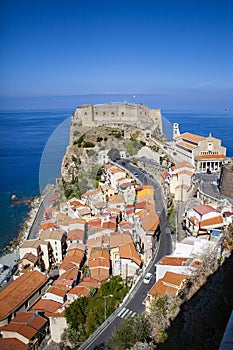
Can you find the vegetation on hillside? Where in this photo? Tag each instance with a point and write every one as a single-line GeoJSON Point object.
{"type": "Point", "coordinates": [82, 183]}
{"type": "Point", "coordinates": [85, 315]}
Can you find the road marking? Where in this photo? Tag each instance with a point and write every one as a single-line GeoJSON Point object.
{"type": "Point", "coordinates": [124, 314]}
{"type": "Point", "coordinates": [121, 312]}
{"type": "Point", "coordinates": [129, 314]}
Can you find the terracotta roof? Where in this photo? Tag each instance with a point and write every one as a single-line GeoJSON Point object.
{"type": "Point", "coordinates": [191, 137]}
{"type": "Point", "coordinates": [61, 292]}
{"type": "Point", "coordinates": [71, 261]}
{"type": "Point", "coordinates": [12, 343]}
{"type": "Point", "coordinates": [70, 274]}
{"type": "Point", "coordinates": [150, 222]}
{"type": "Point", "coordinates": [174, 279]}
{"type": "Point", "coordinates": [84, 211]}
{"type": "Point", "coordinates": [77, 250]}
{"type": "Point", "coordinates": [109, 225]}
{"type": "Point", "coordinates": [165, 175]}
{"type": "Point", "coordinates": [127, 184]}
{"type": "Point", "coordinates": [82, 289]}
{"type": "Point", "coordinates": [126, 225]}
{"type": "Point", "coordinates": [100, 274]}
{"type": "Point", "coordinates": [19, 291]}
{"type": "Point", "coordinates": [211, 156]}
{"type": "Point", "coordinates": [128, 251]}
{"type": "Point", "coordinates": [62, 282]}
{"type": "Point", "coordinates": [174, 261]}
{"type": "Point", "coordinates": [75, 234]}
{"type": "Point", "coordinates": [31, 257]}
{"type": "Point", "coordinates": [28, 325]}
{"type": "Point", "coordinates": [46, 226]}
{"type": "Point", "coordinates": [183, 164]}
{"type": "Point", "coordinates": [119, 238]}
{"type": "Point", "coordinates": [62, 217]}
{"type": "Point", "coordinates": [159, 288]}
{"type": "Point", "coordinates": [217, 220]}
{"type": "Point", "coordinates": [185, 145]}
{"type": "Point", "coordinates": [115, 170]}
{"type": "Point", "coordinates": [203, 209]}
{"type": "Point", "coordinates": [46, 305]}
{"type": "Point", "coordinates": [77, 221]}
{"type": "Point", "coordinates": [116, 199]}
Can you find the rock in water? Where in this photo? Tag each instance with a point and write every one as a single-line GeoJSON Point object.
{"type": "Point", "coordinates": [14, 197]}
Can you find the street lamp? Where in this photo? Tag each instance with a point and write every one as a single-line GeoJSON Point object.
{"type": "Point", "coordinates": [106, 296]}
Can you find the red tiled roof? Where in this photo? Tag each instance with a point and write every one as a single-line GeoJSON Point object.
{"type": "Point", "coordinates": [217, 220]}
{"type": "Point", "coordinates": [19, 291]}
{"type": "Point", "coordinates": [12, 344]}
{"type": "Point", "coordinates": [71, 261]}
{"type": "Point", "coordinates": [191, 137]}
{"type": "Point", "coordinates": [128, 251]}
{"type": "Point", "coordinates": [46, 305]}
{"type": "Point", "coordinates": [211, 156]}
{"type": "Point", "coordinates": [30, 257]}
{"type": "Point", "coordinates": [75, 234]}
{"type": "Point", "coordinates": [27, 328]}
{"type": "Point", "coordinates": [203, 209]}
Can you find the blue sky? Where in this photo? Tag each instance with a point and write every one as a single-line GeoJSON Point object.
{"type": "Point", "coordinates": [181, 52]}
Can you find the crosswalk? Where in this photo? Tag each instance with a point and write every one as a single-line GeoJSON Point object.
{"type": "Point", "coordinates": [126, 313]}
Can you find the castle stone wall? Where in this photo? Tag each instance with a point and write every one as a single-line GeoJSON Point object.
{"type": "Point", "coordinates": [115, 114]}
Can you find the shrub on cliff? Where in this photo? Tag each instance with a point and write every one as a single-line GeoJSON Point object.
{"type": "Point", "coordinates": [88, 144]}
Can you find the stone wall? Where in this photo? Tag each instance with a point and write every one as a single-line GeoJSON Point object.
{"type": "Point", "coordinates": [118, 114]}
{"type": "Point", "coordinates": [226, 181]}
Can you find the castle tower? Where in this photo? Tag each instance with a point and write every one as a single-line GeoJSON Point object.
{"type": "Point", "coordinates": [176, 130]}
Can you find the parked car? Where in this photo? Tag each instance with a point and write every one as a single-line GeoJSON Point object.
{"type": "Point", "coordinates": [147, 278]}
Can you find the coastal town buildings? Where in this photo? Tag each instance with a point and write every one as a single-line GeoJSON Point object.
{"type": "Point", "coordinates": [205, 153]}
{"type": "Point", "coordinates": [201, 219]}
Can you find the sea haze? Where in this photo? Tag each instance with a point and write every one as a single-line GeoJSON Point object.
{"type": "Point", "coordinates": [27, 137]}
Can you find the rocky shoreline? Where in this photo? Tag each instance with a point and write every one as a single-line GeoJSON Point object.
{"type": "Point", "coordinates": [22, 235]}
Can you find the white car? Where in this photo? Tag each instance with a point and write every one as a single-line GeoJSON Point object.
{"type": "Point", "coordinates": [147, 278]}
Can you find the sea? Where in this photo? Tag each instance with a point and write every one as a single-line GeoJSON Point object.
{"type": "Point", "coordinates": [32, 143]}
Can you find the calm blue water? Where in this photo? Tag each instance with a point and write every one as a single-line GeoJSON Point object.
{"type": "Point", "coordinates": [28, 137]}
{"type": "Point", "coordinates": [23, 137]}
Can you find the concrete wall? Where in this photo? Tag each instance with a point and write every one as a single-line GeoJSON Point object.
{"type": "Point", "coordinates": [57, 327]}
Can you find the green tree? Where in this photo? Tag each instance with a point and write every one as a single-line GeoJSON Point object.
{"type": "Point", "coordinates": [76, 313]}
{"type": "Point", "coordinates": [130, 332]}
{"type": "Point", "coordinates": [114, 153]}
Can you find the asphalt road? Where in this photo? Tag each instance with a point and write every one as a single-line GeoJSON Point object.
{"type": "Point", "coordinates": [33, 233]}
{"type": "Point", "coordinates": [134, 302]}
